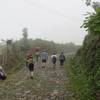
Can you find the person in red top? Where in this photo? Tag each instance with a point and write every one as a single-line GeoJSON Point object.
{"type": "Point", "coordinates": [30, 65]}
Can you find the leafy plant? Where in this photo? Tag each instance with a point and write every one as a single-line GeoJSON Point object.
{"type": "Point", "coordinates": [84, 69]}
{"type": "Point", "coordinates": [92, 22]}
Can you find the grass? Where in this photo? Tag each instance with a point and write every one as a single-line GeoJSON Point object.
{"type": "Point", "coordinates": [79, 83]}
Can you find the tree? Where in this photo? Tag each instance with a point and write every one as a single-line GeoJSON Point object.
{"type": "Point", "coordinates": [25, 33]}
{"type": "Point", "coordinates": [24, 41]}
{"type": "Point", "coordinates": [95, 5]}
{"type": "Point", "coordinates": [92, 22]}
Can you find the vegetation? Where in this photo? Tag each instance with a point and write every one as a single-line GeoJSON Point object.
{"type": "Point", "coordinates": [92, 22]}
{"type": "Point", "coordinates": [84, 68]}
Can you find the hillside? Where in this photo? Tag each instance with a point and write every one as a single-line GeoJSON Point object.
{"type": "Point", "coordinates": [84, 68]}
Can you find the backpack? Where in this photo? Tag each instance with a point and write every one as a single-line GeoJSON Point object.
{"type": "Point", "coordinates": [54, 58]}
{"type": "Point", "coordinates": [61, 57]}
{"type": "Point", "coordinates": [2, 75]}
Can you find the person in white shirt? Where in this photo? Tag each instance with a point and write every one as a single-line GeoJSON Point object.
{"type": "Point", "coordinates": [54, 59]}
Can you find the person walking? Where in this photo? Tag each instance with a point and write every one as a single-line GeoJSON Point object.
{"type": "Point", "coordinates": [54, 59]}
{"type": "Point", "coordinates": [37, 54]}
{"type": "Point", "coordinates": [44, 58]}
{"type": "Point", "coordinates": [30, 65]}
{"type": "Point", "coordinates": [62, 59]}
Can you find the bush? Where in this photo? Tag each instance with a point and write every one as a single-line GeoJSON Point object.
{"type": "Point", "coordinates": [84, 69]}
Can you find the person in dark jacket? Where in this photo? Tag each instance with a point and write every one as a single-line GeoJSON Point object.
{"type": "Point", "coordinates": [62, 59]}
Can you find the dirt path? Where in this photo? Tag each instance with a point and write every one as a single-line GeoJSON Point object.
{"type": "Point", "coordinates": [47, 84]}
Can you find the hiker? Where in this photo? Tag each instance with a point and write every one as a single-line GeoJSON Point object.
{"type": "Point", "coordinates": [30, 65]}
{"type": "Point", "coordinates": [2, 74]}
{"type": "Point", "coordinates": [54, 59]}
{"type": "Point", "coordinates": [44, 58]}
{"type": "Point", "coordinates": [37, 54]}
{"type": "Point", "coordinates": [62, 59]}
{"type": "Point", "coordinates": [28, 55]}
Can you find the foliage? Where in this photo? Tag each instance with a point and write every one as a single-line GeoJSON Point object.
{"type": "Point", "coordinates": [92, 22]}
{"type": "Point", "coordinates": [84, 68]}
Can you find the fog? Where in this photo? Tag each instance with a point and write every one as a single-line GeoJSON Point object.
{"type": "Point", "coordinates": [56, 20]}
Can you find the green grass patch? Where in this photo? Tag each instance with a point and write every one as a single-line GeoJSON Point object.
{"type": "Point", "coordinates": [79, 83]}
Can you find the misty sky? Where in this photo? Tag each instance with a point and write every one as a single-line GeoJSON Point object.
{"type": "Point", "coordinates": [57, 20]}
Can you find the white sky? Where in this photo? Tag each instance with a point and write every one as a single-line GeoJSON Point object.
{"type": "Point", "coordinates": [57, 20]}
